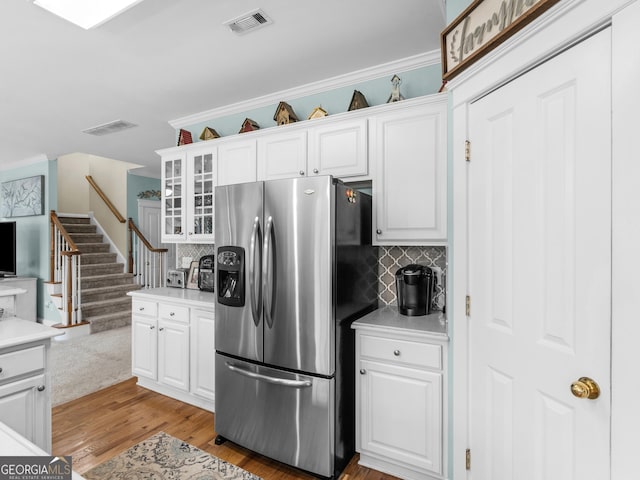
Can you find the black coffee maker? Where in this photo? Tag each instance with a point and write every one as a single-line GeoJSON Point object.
{"type": "Point", "coordinates": [414, 289]}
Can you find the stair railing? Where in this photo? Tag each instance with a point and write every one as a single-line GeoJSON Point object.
{"type": "Point", "coordinates": [150, 262]}
{"type": "Point", "coordinates": [65, 265]}
{"type": "Point", "coordinates": [105, 199]}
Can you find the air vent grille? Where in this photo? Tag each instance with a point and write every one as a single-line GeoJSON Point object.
{"type": "Point", "coordinates": [109, 128]}
{"type": "Point", "coordinates": [248, 22]}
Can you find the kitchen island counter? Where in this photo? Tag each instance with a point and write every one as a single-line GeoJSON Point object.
{"type": "Point", "coordinates": [184, 296]}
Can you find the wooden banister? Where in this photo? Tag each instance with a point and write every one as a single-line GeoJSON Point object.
{"type": "Point", "coordinates": [105, 199]}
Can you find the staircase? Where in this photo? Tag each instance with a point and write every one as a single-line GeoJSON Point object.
{"type": "Point", "coordinates": [103, 284]}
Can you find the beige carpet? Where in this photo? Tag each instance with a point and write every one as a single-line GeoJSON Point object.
{"type": "Point", "coordinates": [163, 457]}
{"type": "Point", "coordinates": [82, 365]}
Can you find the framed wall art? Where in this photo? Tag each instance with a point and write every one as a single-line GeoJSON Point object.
{"type": "Point", "coordinates": [192, 277]}
{"type": "Point", "coordinates": [483, 26]}
{"type": "Point", "coordinates": [23, 197]}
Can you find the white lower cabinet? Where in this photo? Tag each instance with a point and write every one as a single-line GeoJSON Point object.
{"type": "Point", "coordinates": [25, 400]}
{"type": "Point", "coordinates": [399, 397]}
{"type": "Point", "coordinates": [173, 350]}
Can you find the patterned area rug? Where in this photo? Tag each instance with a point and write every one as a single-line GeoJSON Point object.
{"type": "Point", "coordinates": [163, 457]}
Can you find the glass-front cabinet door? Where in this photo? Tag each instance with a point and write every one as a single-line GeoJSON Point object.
{"type": "Point", "coordinates": [173, 198]}
{"type": "Point", "coordinates": [200, 213]}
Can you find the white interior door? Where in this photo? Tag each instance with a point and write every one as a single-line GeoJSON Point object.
{"type": "Point", "coordinates": [150, 219]}
{"type": "Point", "coordinates": [540, 270]}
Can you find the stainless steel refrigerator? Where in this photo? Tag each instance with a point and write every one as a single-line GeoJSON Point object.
{"type": "Point", "coordinates": [294, 267]}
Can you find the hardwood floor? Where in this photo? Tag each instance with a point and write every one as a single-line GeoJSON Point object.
{"type": "Point", "coordinates": [97, 427]}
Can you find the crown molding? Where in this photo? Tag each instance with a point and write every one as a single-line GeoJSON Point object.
{"type": "Point", "coordinates": [372, 73]}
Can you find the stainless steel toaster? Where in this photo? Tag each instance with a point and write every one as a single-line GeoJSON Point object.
{"type": "Point", "coordinates": [177, 277]}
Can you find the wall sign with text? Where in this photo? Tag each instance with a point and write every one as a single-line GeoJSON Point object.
{"type": "Point", "coordinates": [483, 26]}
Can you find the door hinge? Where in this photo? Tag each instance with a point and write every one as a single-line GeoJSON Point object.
{"type": "Point", "coordinates": [467, 150]}
{"type": "Point", "coordinates": [467, 307]}
{"type": "Point", "coordinates": [468, 459]}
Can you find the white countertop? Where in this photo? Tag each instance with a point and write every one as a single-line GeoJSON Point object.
{"type": "Point", "coordinates": [185, 296]}
{"type": "Point", "coordinates": [15, 331]}
{"type": "Point", "coordinates": [389, 318]}
{"type": "Point", "coordinates": [12, 444]}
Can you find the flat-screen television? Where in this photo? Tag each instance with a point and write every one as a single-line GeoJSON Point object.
{"type": "Point", "coordinates": [7, 248]}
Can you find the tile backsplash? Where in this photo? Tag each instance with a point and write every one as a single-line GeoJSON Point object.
{"type": "Point", "coordinates": [390, 259]}
{"type": "Point", "coordinates": [193, 250]}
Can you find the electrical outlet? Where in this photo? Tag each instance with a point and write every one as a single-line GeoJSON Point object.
{"type": "Point", "coordinates": [437, 272]}
{"type": "Point", "coordinates": [186, 262]}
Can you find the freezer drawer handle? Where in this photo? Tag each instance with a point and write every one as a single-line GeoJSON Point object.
{"type": "Point", "coordinates": [266, 378]}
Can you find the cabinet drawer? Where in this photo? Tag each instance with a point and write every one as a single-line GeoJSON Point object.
{"type": "Point", "coordinates": [401, 351]}
{"type": "Point", "coordinates": [144, 307]}
{"type": "Point", "coordinates": [21, 362]}
{"type": "Point", "coordinates": [176, 313]}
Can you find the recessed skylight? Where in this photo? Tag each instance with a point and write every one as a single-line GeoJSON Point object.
{"type": "Point", "coordinates": [86, 13]}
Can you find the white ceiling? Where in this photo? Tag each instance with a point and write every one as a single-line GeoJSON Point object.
{"type": "Point", "coordinates": [166, 59]}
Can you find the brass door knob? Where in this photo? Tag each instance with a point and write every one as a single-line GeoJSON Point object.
{"type": "Point", "coordinates": [584, 387]}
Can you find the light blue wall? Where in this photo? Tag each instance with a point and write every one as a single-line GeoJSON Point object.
{"type": "Point", "coordinates": [32, 233]}
{"type": "Point", "coordinates": [455, 7]}
{"type": "Point", "coordinates": [135, 185]}
{"type": "Point", "coordinates": [415, 83]}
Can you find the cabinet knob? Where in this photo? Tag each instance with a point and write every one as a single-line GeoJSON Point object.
{"type": "Point", "coordinates": [379, 232]}
{"type": "Point", "coordinates": [396, 353]}
{"type": "Point", "coordinates": [0, 369]}
{"type": "Point", "coordinates": [151, 327]}
{"type": "Point", "coordinates": [362, 371]}
{"type": "Point", "coordinates": [301, 172]}
{"type": "Point", "coordinates": [41, 388]}
{"type": "Point", "coordinates": [161, 329]}
{"type": "Point", "coordinates": [315, 170]}
{"type": "Point", "coordinates": [171, 314]}
{"type": "Point", "coordinates": [141, 309]}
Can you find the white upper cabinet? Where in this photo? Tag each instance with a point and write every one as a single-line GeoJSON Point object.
{"type": "Point", "coordinates": [173, 196]}
{"type": "Point", "coordinates": [282, 155]}
{"type": "Point", "coordinates": [338, 148]}
{"type": "Point", "coordinates": [236, 161]}
{"type": "Point", "coordinates": [188, 180]}
{"type": "Point", "coordinates": [408, 149]}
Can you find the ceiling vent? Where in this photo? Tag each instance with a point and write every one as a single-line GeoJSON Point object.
{"type": "Point", "coordinates": [109, 128]}
{"type": "Point", "coordinates": [248, 22]}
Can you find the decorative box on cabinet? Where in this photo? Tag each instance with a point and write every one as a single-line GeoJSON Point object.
{"type": "Point", "coordinates": [400, 386]}
{"type": "Point", "coordinates": [187, 194]}
{"type": "Point", "coordinates": [173, 348]}
{"type": "Point", "coordinates": [408, 150]}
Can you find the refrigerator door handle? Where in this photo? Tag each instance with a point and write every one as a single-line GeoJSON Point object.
{"type": "Point", "coordinates": [269, 274]}
{"type": "Point", "coordinates": [266, 378]}
{"type": "Point", "coordinates": [255, 296]}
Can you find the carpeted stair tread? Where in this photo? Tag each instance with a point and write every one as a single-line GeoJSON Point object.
{"type": "Point", "coordinates": [101, 269]}
{"type": "Point", "coordinates": [94, 247]}
{"type": "Point", "coordinates": [110, 279]}
{"type": "Point", "coordinates": [86, 237]}
{"type": "Point", "coordinates": [107, 292]}
{"type": "Point", "coordinates": [109, 321]}
{"type": "Point", "coordinates": [74, 220]}
{"type": "Point", "coordinates": [96, 258]}
{"type": "Point", "coordinates": [75, 228]}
